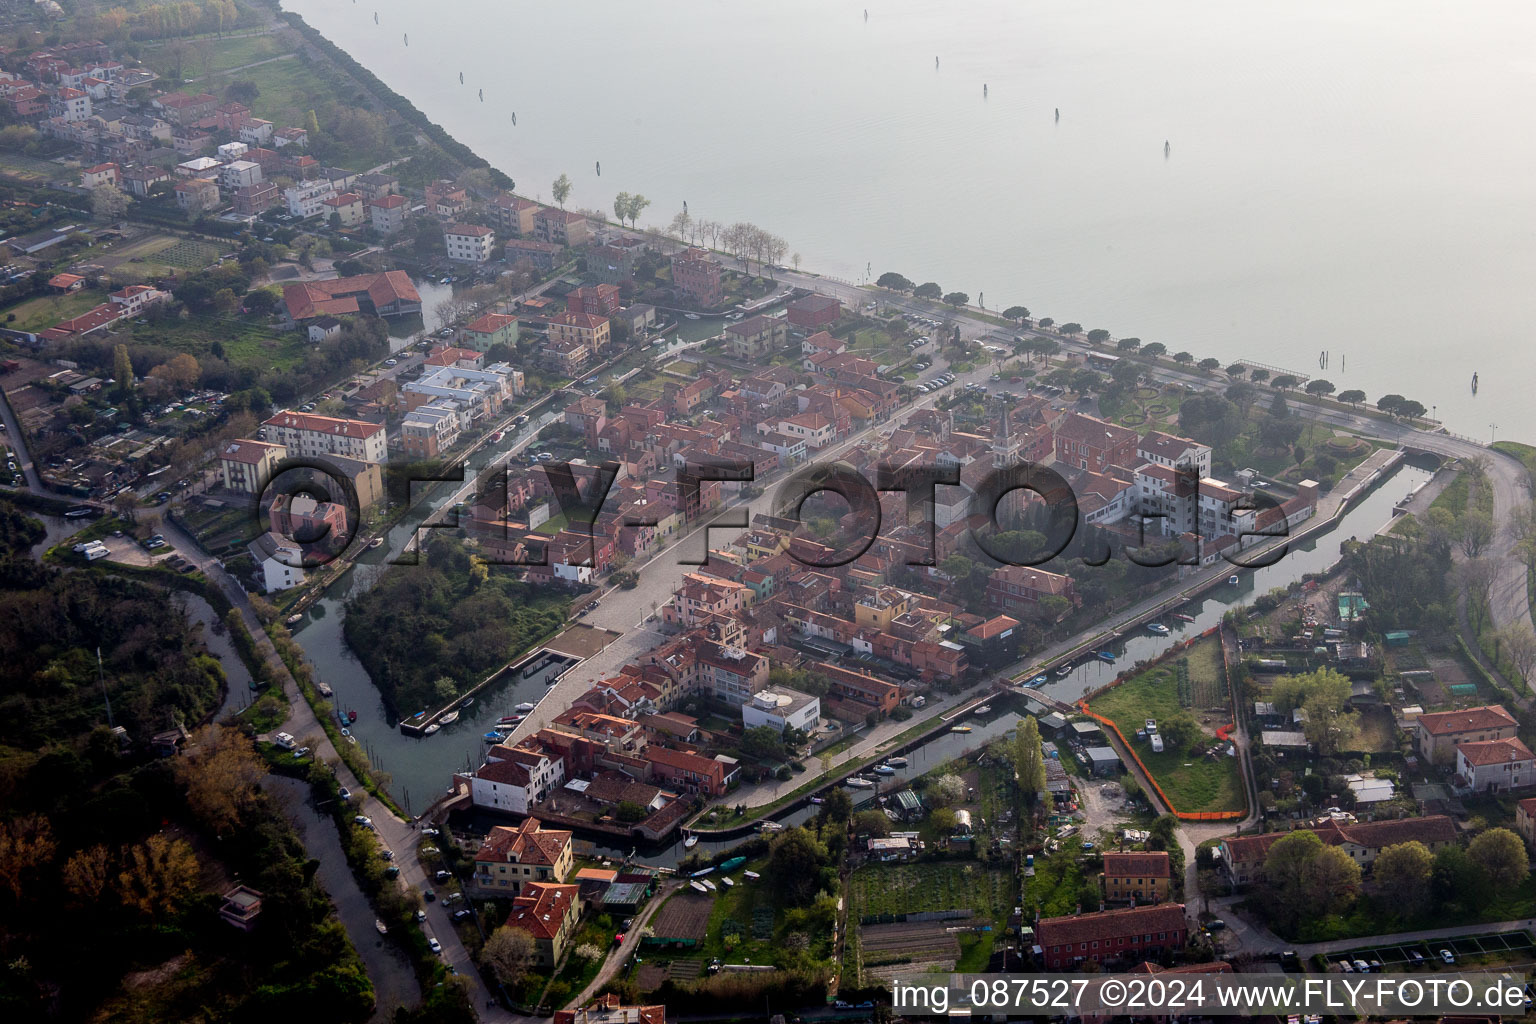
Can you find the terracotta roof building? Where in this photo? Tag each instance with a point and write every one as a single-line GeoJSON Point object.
{"type": "Point", "coordinates": [549, 914]}
{"type": "Point", "coordinates": [388, 294]}
{"type": "Point", "coordinates": [513, 857]}
{"type": "Point", "coordinates": [1110, 935]}
{"type": "Point", "coordinates": [1439, 733]}
{"type": "Point", "coordinates": [1143, 877]}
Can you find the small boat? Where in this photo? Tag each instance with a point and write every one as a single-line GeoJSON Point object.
{"type": "Point", "coordinates": [727, 883]}
{"type": "Point", "coordinates": [293, 620]}
{"type": "Point", "coordinates": [77, 513]}
{"type": "Point", "coordinates": [691, 316]}
{"type": "Point", "coordinates": [376, 542]}
{"type": "Point", "coordinates": [407, 38]}
{"type": "Point", "coordinates": [375, 17]}
{"type": "Point", "coordinates": [732, 864]}
{"type": "Point", "coordinates": [1039, 680]}
{"type": "Point", "coordinates": [351, 739]}
{"type": "Point", "coordinates": [429, 730]}
{"type": "Point", "coordinates": [983, 88]}
{"type": "Point", "coordinates": [482, 95]}
{"type": "Point", "coordinates": [699, 886]}
{"type": "Point", "coordinates": [752, 875]}
{"type": "Point", "coordinates": [1183, 618]}
{"type": "Point", "coordinates": [599, 164]}
{"type": "Point", "coordinates": [449, 718]}
{"type": "Point", "coordinates": [325, 689]}
{"type": "Point", "coordinates": [1157, 628]}
{"type": "Point", "coordinates": [1105, 656]}
{"type": "Point", "coordinates": [960, 728]}
{"type": "Point", "coordinates": [467, 702]}
{"type": "Point", "coordinates": [514, 117]}
{"type": "Point", "coordinates": [768, 828]}
{"type": "Point", "coordinates": [896, 762]}
{"type": "Point", "coordinates": [496, 437]}
{"type": "Point", "coordinates": [985, 709]}
{"type": "Point", "coordinates": [690, 842]}
{"type": "Point", "coordinates": [883, 769]}
{"type": "Point", "coordinates": [710, 885]}
{"type": "Point", "coordinates": [1064, 671]}
{"type": "Point", "coordinates": [493, 737]}
{"type": "Point", "coordinates": [1166, 148]}
{"type": "Point", "coordinates": [702, 872]}
{"type": "Point", "coordinates": [524, 707]}
{"type": "Point", "coordinates": [346, 733]}
{"type": "Point", "coordinates": [461, 78]}
{"type": "Point", "coordinates": [1233, 580]}
{"type": "Point", "coordinates": [381, 926]}
{"type": "Point", "coordinates": [509, 719]}
{"type": "Point", "coordinates": [1058, 113]}
{"type": "Point", "coordinates": [854, 782]}
{"type": "Point", "coordinates": [351, 716]}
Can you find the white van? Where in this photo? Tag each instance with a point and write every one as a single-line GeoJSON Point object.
{"type": "Point", "coordinates": [284, 740]}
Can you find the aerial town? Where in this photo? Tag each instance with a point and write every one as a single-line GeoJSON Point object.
{"type": "Point", "coordinates": [435, 602]}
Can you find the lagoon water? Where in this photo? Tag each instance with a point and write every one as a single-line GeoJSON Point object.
{"type": "Point", "coordinates": [1342, 175]}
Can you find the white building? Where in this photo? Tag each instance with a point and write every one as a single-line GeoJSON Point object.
{"type": "Point", "coordinates": [469, 243]}
{"type": "Point", "coordinates": [1494, 766]}
{"type": "Point", "coordinates": [515, 780]}
{"type": "Point", "coordinates": [305, 433]}
{"type": "Point", "coordinates": [781, 708]}
{"type": "Point", "coordinates": [307, 199]}
{"type": "Point", "coordinates": [483, 391]}
{"type": "Point", "coordinates": [240, 174]}
{"type": "Point", "coordinates": [278, 559]}
{"type": "Point", "coordinates": [1162, 449]}
{"type": "Point", "coordinates": [233, 151]}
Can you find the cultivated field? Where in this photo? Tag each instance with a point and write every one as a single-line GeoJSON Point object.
{"type": "Point", "coordinates": [683, 917]}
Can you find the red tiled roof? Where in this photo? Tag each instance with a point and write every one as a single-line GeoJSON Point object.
{"type": "Point", "coordinates": [1056, 931]}
{"type": "Point", "coordinates": [1139, 865]}
{"type": "Point", "coordinates": [317, 298]}
{"type": "Point", "coordinates": [467, 230]}
{"type": "Point", "coordinates": [324, 424]}
{"type": "Point", "coordinates": [247, 451]}
{"type": "Point", "coordinates": [389, 202]}
{"type": "Point", "coordinates": [1489, 752]}
{"type": "Point", "coordinates": [542, 908]}
{"type": "Point", "coordinates": [490, 323]}
{"type": "Point", "coordinates": [1447, 723]}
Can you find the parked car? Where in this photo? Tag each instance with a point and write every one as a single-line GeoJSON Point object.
{"type": "Point", "coordinates": [443, 876]}
{"type": "Point", "coordinates": [363, 820]}
{"type": "Point", "coordinates": [459, 915]}
{"type": "Point", "coordinates": [434, 945]}
{"type": "Point", "coordinates": [345, 794]}
{"type": "Point", "coordinates": [1447, 956]}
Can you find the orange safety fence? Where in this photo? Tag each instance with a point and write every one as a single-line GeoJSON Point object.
{"type": "Point", "coordinates": [1181, 815]}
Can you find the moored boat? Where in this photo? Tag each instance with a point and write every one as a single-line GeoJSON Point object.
{"type": "Point", "coordinates": [883, 769]}
{"type": "Point", "coordinates": [699, 886]}
{"type": "Point", "coordinates": [429, 730]}
{"type": "Point", "coordinates": [381, 926]}
{"type": "Point", "coordinates": [524, 707]}
{"type": "Point", "coordinates": [960, 728]}
{"type": "Point", "coordinates": [752, 875]}
{"type": "Point", "coordinates": [1157, 629]}
{"type": "Point", "coordinates": [855, 782]}
{"type": "Point", "coordinates": [896, 762]}
{"type": "Point", "coordinates": [1105, 656]}
{"type": "Point", "coordinates": [690, 842]}
{"type": "Point", "coordinates": [493, 737]}
{"type": "Point", "coordinates": [449, 718]}
{"type": "Point", "coordinates": [985, 709]}
{"type": "Point", "coordinates": [1039, 680]}
{"type": "Point", "coordinates": [1183, 618]}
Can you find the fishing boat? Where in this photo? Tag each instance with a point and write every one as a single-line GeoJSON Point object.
{"type": "Point", "coordinates": [1157, 628]}
{"type": "Point", "coordinates": [690, 842]}
{"type": "Point", "coordinates": [381, 926]}
{"type": "Point", "coordinates": [855, 782]}
{"type": "Point", "coordinates": [883, 769]}
{"type": "Point", "coordinates": [1039, 680]}
{"type": "Point", "coordinates": [429, 730]}
{"type": "Point", "coordinates": [449, 718]}
{"type": "Point", "coordinates": [325, 689]}
{"type": "Point", "coordinates": [1183, 618]}
{"type": "Point", "coordinates": [896, 762]}
{"type": "Point", "coordinates": [960, 728]}
{"type": "Point", "coordinates": [985, 709]}
{"type": "Point", "coordinates": [493, 737]}
{"type": "Point", "coordinates": [699, 886]}
{"type": "Point", "coordinates": [293, 620]}
{"type": "Point", "coordinates": [751, 875]}
{"type": "Point", "coordinates": [1064, 671]}
{"type": "Point", "coordinates": [524, 707]}
{"type": "Point", "coordinates": [732, 864]}
{"type": "Point", "coordinates": [1105, 656]}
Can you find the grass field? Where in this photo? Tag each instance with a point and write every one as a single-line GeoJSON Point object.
{"type": "Point", "coordinates": [46, 310]}
{"type": "Point", "coordinates": [222, 55]}
{"type": "Point", "coordinates": [245, 344]}
{"type": "Point", "coordinates": [1193, 783]}
{"type": "Point", "coordinates": [910, 889]}
{"type": "Point", "coordinates": [160, 255]}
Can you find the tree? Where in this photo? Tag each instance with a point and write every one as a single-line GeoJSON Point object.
{"type": "Point", "coordinates": [1501, 853]}
{"type": "Point", "coordinates": [1403, 873]}
{"type": "Point", "coordinates": [1029, 759]}
{"type": "Point", "coordinates": [1476, 532]}
{"type": "Point", "coordinates": [509, 952]}
{"type": "Point", "coordinates": [1332, 882]}
{"type": "Point", "coordinates": [1154, 349]}
{"type": "Point", "coordinates": [894, 281]}
{"type": "Point", "coordinates": [1353, 396]}
{"type": "Point", "coordinates": [1183, 357]}
{"type": "Point", "coordinates": [928, 290]}
{"type": "Point", "coordinates": [1019, 313]}
{"type": "Point", "coordinates": [957, 299]}
{"type": "Point", "coordinates": [1046, 321]}
{"type": "Point", "coordinates": [794, 866]}
{"type": "Point", "coordinates": [1128, 344]}
{"type": "Point", "coordinates": [621, 207]}
{"type": "Point", "coordinates": [87, 873]}
{"type": "Point", "coordinates": [1098, 336]}
{"type": "Point", "coordinates": [945, 790]}
{"type": "Point", "coordinates": [1319, 388]}
{"type": "Point", "coordinates": [181, 372]}
{"type": "Point", "coordinates": [634, 208]}
{"type": "Point", "coordinates": [1071, 327]}
{"type": "Point", "coordinates": [1180, 731]}
{"type": "Point", "coordinates": [1285, 381]}
{"type": "Point", "coordinates": [1236, 370]}
{"type": "Point", "coordinates": [108, 202]}
{"type": "Point", "coordinates": [870, 823]}
{"type": "Point", "coordinates": [122, 371]}
{"type": "Point", "coordinates": [1410, 409]}
{"type": "Point", "coordinates": [1519, 642]}
{"type": "Point", "coordinates": [795, 259]}
{"type": "Point", "coordinates": [1389, 404]}
{"type": "Point", "coordinates": [1305, 877]}
{"type": "Point", "coordinates": [763, 742]}
{"type": "Point", "coordinates": [221, 777]}
{"type": "Point", "coordinates": [838, 805]}
{"type": "Point", "coordinates": [1209, 363]}
{"type": "Point", "coordinates": [1241, 394]}
{"type": "Point", "coordinates": [561, 190]}
{"type": "Point", "coordinates": [158, 875]}
{"type": "Point", "coordinates": [25, 843]}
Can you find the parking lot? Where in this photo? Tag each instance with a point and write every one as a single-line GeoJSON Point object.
{"type": "Point", "coordinates": [1501, 949]}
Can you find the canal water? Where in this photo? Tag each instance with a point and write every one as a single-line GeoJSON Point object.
{"type": "Point", "coordinates": [420, 767]}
